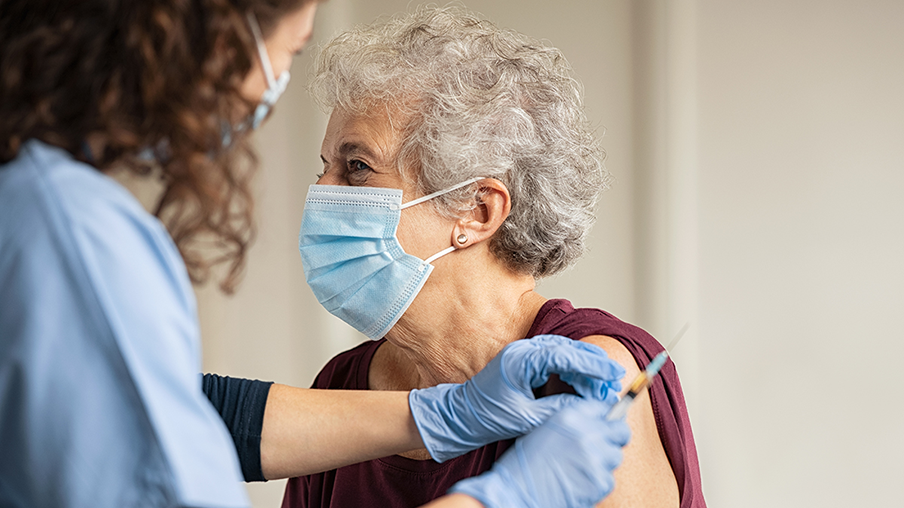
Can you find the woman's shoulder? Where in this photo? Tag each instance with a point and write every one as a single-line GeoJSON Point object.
{"type": "Point", "coordinates": [560, 317]}
{"type": "Point", "coordinates": [662, 450]}
{"type": "Point", "coordinates": [663, 440]}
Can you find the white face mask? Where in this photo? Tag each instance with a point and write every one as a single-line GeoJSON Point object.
{"type": "Point", "coordinates": [275, 87]}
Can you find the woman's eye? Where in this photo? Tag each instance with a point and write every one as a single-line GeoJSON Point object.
{"type": "Point", "coordinates": [356, 165]}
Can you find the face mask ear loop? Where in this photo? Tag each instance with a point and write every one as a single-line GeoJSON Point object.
{"type": "Point", "coordinates": [262, 51]}
{"type": "Point", "coordinates": [438, 255]}
{"type": "Point", "coordinates": [440, 193]}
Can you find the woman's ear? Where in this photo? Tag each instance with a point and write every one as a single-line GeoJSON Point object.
{"type": "Point", "coordinates": [481, 223]}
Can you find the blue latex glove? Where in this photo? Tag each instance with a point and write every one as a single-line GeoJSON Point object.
{"type": "Point", "coordinates": [565, 463]}
{"type": "Point", "coordinates": [498, 403]}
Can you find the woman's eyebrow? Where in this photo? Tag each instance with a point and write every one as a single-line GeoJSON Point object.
{"type": "Point", "coordinates": [349, 147]}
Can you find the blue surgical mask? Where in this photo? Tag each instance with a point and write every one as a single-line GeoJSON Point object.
{"type": "Point", "coordinates": [275, 87]}
{"type": "Point", "coordinates": [352, 259]}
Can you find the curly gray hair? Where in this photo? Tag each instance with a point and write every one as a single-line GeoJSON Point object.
{"type": "Point", "coordinates": [478, 101]}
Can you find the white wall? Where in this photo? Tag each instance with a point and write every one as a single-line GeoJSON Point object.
{"type": "Point", "coordinates": [801, 122]}
{"type": "Point", "coordinates": [758, 152]}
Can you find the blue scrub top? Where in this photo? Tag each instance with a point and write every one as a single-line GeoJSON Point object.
{"type": "Point", "coordinates": [100, 398]}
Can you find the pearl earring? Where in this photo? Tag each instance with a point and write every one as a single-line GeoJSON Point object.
{"type": "Point", "coordinates": [462, 238]}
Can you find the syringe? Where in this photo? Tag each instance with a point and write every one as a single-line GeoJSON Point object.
{"type": "Point", "coordinates": [620, 409]}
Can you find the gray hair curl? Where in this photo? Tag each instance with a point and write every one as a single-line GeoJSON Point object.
{"type": "Point", "coordinates": [479, 101]}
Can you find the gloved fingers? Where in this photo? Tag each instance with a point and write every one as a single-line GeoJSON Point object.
{"type": "Point", "coordinates": [590, 416]}
{"type": "Point", "coordinates": [619, 432]}
{"type": "Point", "coordinates": [545, 407]}
{"type": "Point", "coordinates": [610, 459]}
{"type": "Point", "coordinates": [593, 388]}
{"type": "Point", "coordinates": [606, 483]}
{"type": "Point", "coordinates": [612, 436]}
{"type": "Point", "coordinates": [531, 353]}
{"type": "Point", "coordinates": [567, 461]}
{"type": "Point", "coordinates": [572, 357]}
{"type": "Point", "coordinates": [609, 441]}
{"type": "Point", "coordinates": [552, 339]}
{"type": "Point", "coordinates": [579, 357]}
{"type": "Point", "coordinates": [548, 339]}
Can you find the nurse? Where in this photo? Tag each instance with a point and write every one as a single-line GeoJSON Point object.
{"type": "Point", "coordinates": [100, 404]}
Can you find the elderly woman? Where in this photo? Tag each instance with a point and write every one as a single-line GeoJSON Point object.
{"type": "Point", "coordinates": [458, 169]}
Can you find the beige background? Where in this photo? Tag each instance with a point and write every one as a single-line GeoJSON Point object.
{"type": "Point", "coordinates": [759, 158]}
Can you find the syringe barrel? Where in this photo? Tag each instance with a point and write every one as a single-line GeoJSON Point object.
{"type": "Point", "coordinates": [620, 408]}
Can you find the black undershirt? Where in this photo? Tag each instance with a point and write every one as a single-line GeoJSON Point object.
{"type": "Point", "coordinates": [240, 403]}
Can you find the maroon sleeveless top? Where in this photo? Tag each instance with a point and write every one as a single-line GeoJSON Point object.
{"type": "Point", "coordinates": [399, 482]}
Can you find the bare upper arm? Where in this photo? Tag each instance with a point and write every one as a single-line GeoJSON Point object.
{"type": "Point", "coordinates": [645, 477]}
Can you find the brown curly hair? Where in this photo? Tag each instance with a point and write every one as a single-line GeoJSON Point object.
{"type": "Point", "coordinates": [159, 74]}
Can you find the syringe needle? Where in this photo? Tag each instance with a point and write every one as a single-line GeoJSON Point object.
{"type": "Point", "coordinates": [678, 336]}
{"type": "Point", "coordinates": [620, 408]}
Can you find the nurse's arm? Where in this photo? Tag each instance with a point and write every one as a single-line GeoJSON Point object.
{"type": "Point", "coordinates": [307, 431]}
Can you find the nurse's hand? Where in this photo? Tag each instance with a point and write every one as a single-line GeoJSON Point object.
{"type": "Point", "coordinates": [565, 463]}
{"type": "Point", "coordinates": [498, 403]}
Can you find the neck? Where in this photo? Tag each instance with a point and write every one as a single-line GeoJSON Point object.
{"type": "Point", "coordinates": [455, 327]}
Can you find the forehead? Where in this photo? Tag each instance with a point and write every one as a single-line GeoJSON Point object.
{"type": "Point", "coordinates": [296, 27]}
{"type": "Point", "coordinates": [373, 130]}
